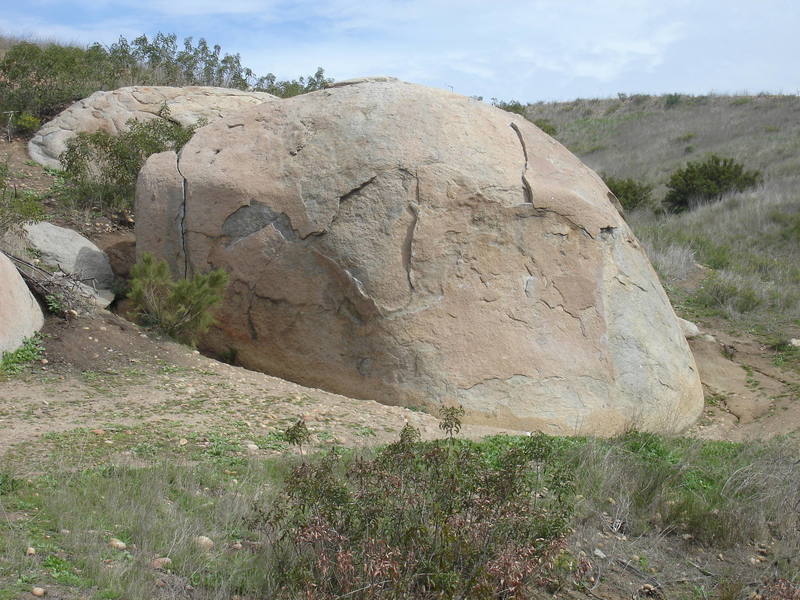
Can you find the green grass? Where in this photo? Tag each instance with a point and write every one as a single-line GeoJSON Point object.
{"type": "Point", "coordinates": [13, 363]}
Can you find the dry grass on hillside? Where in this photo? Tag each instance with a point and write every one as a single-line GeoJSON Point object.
{"type": "Point", "coordinates": [641, 137]}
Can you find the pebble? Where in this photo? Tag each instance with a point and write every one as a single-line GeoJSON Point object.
{"type": "Point", "coordinates": [117, 544]}
{"type": "Point", "coordinates": [236, 546]}
{"type": "Point", "coordinates": [203, 542]}
{"type": "Point", "coordinates": [161, 562]}
{"type": "Point", "coordinates": [599, 553]}
{"type": "Point", "coordinates": [183, 442]}
{"type": "Point", "coordinates": [38, 592]}
{"type": "Point", "coordinates": [31, 551]}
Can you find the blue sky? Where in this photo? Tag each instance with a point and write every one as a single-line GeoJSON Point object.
{"type": "Point", "coordinates": [525, 50]}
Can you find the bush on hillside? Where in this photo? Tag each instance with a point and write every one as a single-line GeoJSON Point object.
{"type": "Point", "coordinates": [513, 106]}
{"type": "Point", "coordinates": [181, 309]}
{"type": "Point", "coordinates": [707, 181]}
{"type": "Point", "coordinates": [43, 79]}
{"type": "Point", "coordinates": [422, 520]}
{"type": "Point", "coordinates": [546, 126]}
{"type": "Point", "coordinates": [630, 193]}
{"type": "Point", "coordinates": [100, 169]}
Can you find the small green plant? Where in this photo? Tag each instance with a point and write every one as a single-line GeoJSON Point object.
{"type": "Point", "coordinates": [181, 309]}
{"type": "Point", "coordinates": [630, 193]}
{"type": "Point", "coordinates": [298, 434]}
{"type": "Point", "coordinates": [26, 123]}
{"type": "Point", "coordinates": [707, 181]}
{"type": "Point", "coordinates": [450, 420]}
{"type": "Point", "coordinates": [13, 362]}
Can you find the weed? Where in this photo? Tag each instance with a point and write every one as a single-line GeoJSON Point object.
{"type": "Point", "coordinates": [12, 363]}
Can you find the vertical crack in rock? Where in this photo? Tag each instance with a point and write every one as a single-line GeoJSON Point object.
{"type": "Point", "coordinates": [184, 186]}
{"type": "Point", "coordinates": [526, 186]}
{"type": "Point", "coordinates": [408, 243]}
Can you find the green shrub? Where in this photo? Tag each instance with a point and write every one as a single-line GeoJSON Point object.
{"type": "Point", "coordinates": [101, 169]}
{"type": "Point", "coordinates": [630, 193]}
{"type": "Point", "coordinates": [294, 87]}
{"type": "Point", "coordinates": [26, 123]}
{"type": "Point", "coordinates": [181, 309]}
{"type": "Point", "coordinates": [513, 106]}
{"type": "Point", "coordinates": [672, 100]}
{"type": "Point", "coordinates": [707, 181]}
{"type": "Point", "coordinates": [420, 520]}
{"type": "Point", "coordinates": [546, 126]}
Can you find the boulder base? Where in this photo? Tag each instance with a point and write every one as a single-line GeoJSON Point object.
{"type": "Point", "coordinates": [412, 246]}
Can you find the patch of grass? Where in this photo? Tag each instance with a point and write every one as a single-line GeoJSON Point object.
{"type": "Point", "coordinates": [13, 363]}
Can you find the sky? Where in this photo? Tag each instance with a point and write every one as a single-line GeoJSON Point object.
{"type": "Point", "coordinates": [536, 50]}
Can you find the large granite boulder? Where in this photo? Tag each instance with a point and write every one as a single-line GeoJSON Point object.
{"type": "Point", "coordinates": [412, 246]}
{"type": "Point", "coordinates": [111, 111]}
{"type": "Point", "coordinates": [20, 315]}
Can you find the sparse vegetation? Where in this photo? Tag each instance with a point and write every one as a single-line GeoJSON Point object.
{"type": "Point", "coordinates": [181, 309]}
{"type": "Point", "coordinates": [12, 363]}
{"type": "Point", "coordinates": [100, 169]}
{"type": "Point", "coordinates": [17, 207]}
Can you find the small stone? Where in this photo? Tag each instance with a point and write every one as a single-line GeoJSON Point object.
{"type": "Point", "coordinates": [183, 442]}
{"type": "Point", "coordinates": [599, 553]}
{"type": "Point", "coordinates": [161, 562]}
{"type": "Point", "coordinates": [98, 431]}
{"type": "Point", "coordinates": [64, 531]}
{"type": "Point", "coordinates": [38, 592]}
{"type": "Point", "coordinates": [687, 536]}
{"type": "Point", "coordinates": [204, 543]}
{"type": "Point", "coordinates": [795, 342]}
{"type": "Point", "coordinates": [252, 448]}
{"type": "Point", "coordinates": [754, 560]}
{"type": "Point", "coordinates": [236, 546]}
{"type": "Point", "coordinates": [117, 544]}
{"type": "Point", "coordinates": [44, 361]}
{"type": "Point", "coordinates": [31, 551]}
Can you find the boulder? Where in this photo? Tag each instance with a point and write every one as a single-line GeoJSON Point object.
{"type": "Point", "coordinates": [690, 330]}
{"type": "Point", "coordinates": [111, 111]}
{"type": "Point", "coordinates": [68, 251]}
{"type": "Point", "coordinates": [20, 315]}
{"type": "Point", "coordinates": [408, 245]}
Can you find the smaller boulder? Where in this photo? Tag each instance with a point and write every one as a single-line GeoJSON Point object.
{"type": "Point", "coordinates": [68, 251]}
{"type": "Point", "coordinates": [20, 315]}
{"type": "Point", "coordinates": [689, 329]}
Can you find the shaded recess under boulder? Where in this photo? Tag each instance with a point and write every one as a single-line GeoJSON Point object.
{"type": "Point", "coordinates": [408, 245]}
{"type": "Point", "coordinates": [111, 111]}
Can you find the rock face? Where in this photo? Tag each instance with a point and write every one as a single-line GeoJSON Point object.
{"type": "Point", "coordinates": [20, 315]}
{"type": "Point", "coordinates": [110, 111]}
{"type": "Point", "coordinates": [70, 252]}
{"type": "Point", "coordinates": [408, 245]}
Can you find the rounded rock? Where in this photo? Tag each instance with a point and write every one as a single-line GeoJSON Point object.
{"type": "Point", "coordinates": [408, 245]}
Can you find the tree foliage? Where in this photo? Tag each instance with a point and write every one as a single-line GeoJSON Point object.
{"type": "Point", "coordinates": [44, 79]}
